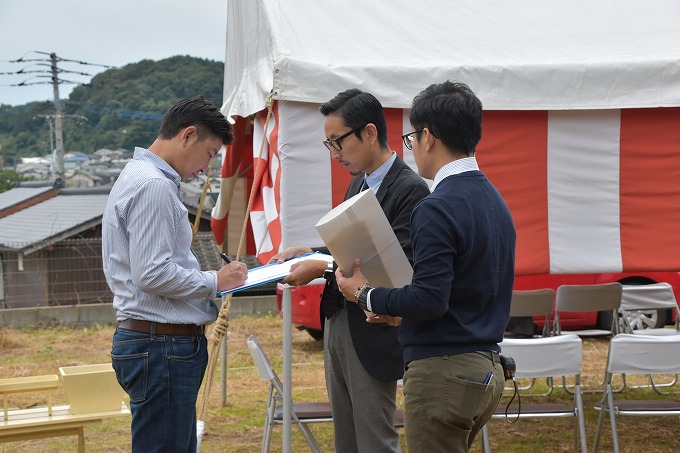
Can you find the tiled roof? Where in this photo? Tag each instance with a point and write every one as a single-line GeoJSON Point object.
{"type": "Point", "coordinates": [52, 220]}
{"type": "Point", "coordinates": [19, 195]}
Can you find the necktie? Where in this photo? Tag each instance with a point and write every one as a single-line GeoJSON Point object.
{"type": "Point", "coordinates": [364, 186]}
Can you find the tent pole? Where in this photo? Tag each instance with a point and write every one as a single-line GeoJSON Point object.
{"type": "Point", "coordinates": [287, 368]}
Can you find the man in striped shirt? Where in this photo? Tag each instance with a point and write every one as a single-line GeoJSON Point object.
{"type": "Point", "coordinates": [162, 298]}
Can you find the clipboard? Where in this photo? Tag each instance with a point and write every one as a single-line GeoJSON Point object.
{"type": "Point", "coordinates": [273, 272]}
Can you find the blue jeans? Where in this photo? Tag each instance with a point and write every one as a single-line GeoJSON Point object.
{"type": "Point", "coordinates": [162, 374]}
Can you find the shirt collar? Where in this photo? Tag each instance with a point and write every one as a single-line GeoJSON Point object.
{"type": "Point", "coordinates": [454, 168]}
{"type": "Point", "coordinates": [144, 155]}
{"type": "Point", "coordinates": [376, 178]}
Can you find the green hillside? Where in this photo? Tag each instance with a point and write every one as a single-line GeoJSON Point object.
{"type": "Point", "coordinates": [119, 108]}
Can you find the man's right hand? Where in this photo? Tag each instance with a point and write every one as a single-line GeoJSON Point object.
{"type": "Point", "coordinates": [290, 252]}
{"type": "Point", "coordinates": [232, 275]}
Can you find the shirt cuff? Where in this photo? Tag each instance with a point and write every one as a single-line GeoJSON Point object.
{"type": "Point", "coordinates": [212, 275]}
{"type": "Point", "coordinates": [368, 299]}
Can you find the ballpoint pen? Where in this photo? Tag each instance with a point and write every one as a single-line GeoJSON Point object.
{"type": "Point", "coordinates": [225, 257]}
{"type": "Point", "coordinates": [487, 381]}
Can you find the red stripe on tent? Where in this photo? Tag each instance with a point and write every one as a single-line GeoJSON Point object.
{"type": "Point", "coordinates": [235, 152]}
{"type": "Point", "coordinates": [340, 179]}
{"type": "Point", "coordinates": [649, 184]}
{"type": "Point", "coordinates": [266, 179]}
{"type": "Point", "coordinates": [238, 160]}
{"type": "Point", "coordinates": [513, 154]}
{"type": "Point", "coordinates": [395, 126]}
{"type": "Point", "coordinates": [230, 165]}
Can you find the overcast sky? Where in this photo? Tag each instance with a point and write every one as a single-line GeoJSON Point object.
{"type": "Point", "coordinates": [105, 32]}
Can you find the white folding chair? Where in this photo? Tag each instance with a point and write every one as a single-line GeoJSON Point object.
{"type": "Point", "coordinates": [604, 297]}
{"type": "Point", "coordinates": [642, 306]}
{"type": "Point", "coordinates": [302, 413]}
{"type": "Point", "coordinates": [643, 312]}
{"type": "Point", "coordinates": [637, 354]}
{"type": "Point", "coordinates": [530, 303]}
{"type": "Point", "coordinates": [544, 358]}
{"type": "Point", "coordinates": [534, 302]}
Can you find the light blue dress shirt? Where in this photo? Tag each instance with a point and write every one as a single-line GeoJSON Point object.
{"type": "Point", "coordinates": [146, 245]}
{"type": "Point", "coordinates": [375, 179]}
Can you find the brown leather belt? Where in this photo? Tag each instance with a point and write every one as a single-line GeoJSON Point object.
{"type": "Point", "coordinates": [494, 356]}
{"type": "Point", "coordinates": [137, 325]}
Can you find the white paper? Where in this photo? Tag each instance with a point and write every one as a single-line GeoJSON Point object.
{"type": "Point", "coordinates": [273, 272]}
{"type": "Point", "coordinates": [358, 228]}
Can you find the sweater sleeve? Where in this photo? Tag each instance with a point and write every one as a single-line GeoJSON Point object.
{"type": "Point", "coordinates": [435, 246]}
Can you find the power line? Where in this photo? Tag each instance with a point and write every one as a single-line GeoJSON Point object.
{"type": "Point", "coordinates": [47, 72]}
{"type": "Point", "coordinates": [51, 72]}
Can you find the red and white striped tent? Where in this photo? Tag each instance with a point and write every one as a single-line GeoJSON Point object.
{"type": "Point", "coordinates": [581, 130]}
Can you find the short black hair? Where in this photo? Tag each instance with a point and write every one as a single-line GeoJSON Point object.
{"type": "Point", "coordinates": [452, 112]}
{"type": "Point", "coordinates": [357, 108]}
{"type": "Point", "coordinates": [199, 112]}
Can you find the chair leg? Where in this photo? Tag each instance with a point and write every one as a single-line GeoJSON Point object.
{"type": "Point", "coordinates": [612, 421]}
{"type": "Point", "coordinates": [486, 445]}
{"type": "Point", "coordinates": [551, 386]}
{"type": "Point", "coordinates": [268, 421]}
{"type": "Point", "coordinates": [307, 434]}
{"type": "Point", "coordinates": [600, 421]}
{"type": "Point", "coordinates": [656, 386]}
{"type": "Point", "coordinates": [581, 421]}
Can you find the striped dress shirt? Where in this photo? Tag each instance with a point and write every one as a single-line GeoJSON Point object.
{"type": "Point", "coordinates": [146, 246]}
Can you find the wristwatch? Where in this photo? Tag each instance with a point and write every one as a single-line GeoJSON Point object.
{"type": "Point", "coordinates": [361, 295]}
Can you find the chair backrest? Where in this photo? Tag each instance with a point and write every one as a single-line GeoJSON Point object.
{"type": "Point", "coordinates": [526, 304]}
{"type": "Point", "coordinates": [644, 354]}
{"type": "Point", "coordinates": [580, 298]}
{"type": "Point", "coordinates": [545, 357]}
{"type": "Point", "coordinates": [648, 297]}
{"type": "Point", "coordinates": [264, 367]}
{"type": "Point", "coordinates": [533, 302]}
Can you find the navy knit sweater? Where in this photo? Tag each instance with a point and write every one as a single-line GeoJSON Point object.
{"type": "Point", "coordinates": [464, 255]}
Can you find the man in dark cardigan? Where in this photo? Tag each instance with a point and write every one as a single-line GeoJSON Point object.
{"type": "Point", "coordinates": [363, 361]}
{"type": "Point", "coordinates": [457, 306]}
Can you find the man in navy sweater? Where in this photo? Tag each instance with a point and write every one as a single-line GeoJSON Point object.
{"type": "Point", "coordinates": [457, 306]}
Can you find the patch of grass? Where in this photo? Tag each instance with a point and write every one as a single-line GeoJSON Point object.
{"type": "Point", "coordinates": [237, 426]}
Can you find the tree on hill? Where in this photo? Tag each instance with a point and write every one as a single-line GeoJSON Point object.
{"type": "Point", "coordinates": [9, 179]}
{"type": "Point", "coordinates": [119, 108]}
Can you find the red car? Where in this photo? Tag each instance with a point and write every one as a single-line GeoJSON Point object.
{"type": "Point", "coordinates": [306, 299]}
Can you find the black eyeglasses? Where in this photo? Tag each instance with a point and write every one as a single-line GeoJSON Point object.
{"type": "Point", "coordinates": [408, 138]}
{"type": "Point", "coordinates": [334, 143]}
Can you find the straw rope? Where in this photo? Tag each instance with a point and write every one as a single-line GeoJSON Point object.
{"type": "Point", "coordinates": [207, 186]}
{"type": "Point", "coordinates": [221, 326]}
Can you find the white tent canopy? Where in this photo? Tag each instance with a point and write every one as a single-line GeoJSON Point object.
{"type": "Point", "coordinates": [520, 55]}
{"type": "Point", "coordinates": [573, 132]}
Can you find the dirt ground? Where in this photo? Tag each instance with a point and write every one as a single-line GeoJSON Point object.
{"type": "Point", "coordinates": [237, 426]}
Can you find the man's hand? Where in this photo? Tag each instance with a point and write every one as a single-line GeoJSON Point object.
{"type": "Point", "coordinates": [349, 285]}
{"type": "Point", "coordinates": [305, 271]}
{"type": "Point", "coordinates": [290, 252]}
{"type": "Point", "coordinates": [232, 275]}
{"type": "Point", "coordinates": [393, 321]}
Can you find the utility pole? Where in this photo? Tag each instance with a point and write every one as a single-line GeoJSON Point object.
{"type": "Point", "coordinates": [55, 80]}
{"type": "Point", "coordinates": [58, 129]}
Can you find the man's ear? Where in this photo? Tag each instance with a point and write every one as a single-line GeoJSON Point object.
{"type": "Point", "coordinates": [371, 133]}
{"type": "Point", "coordinates": [187, 134]}
{"type": "Point", "coordinates": [428, 139]}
